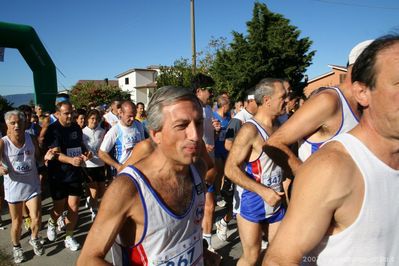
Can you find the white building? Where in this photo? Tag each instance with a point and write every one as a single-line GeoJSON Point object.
{"type": "Point", "coordinates": [139, 82]}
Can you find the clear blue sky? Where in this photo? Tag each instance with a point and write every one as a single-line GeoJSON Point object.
{"type": "Point", "coordinates": [97, 39]}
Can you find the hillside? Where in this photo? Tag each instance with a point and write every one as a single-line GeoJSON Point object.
{"type": "Point", "coordinates": [19, 99]}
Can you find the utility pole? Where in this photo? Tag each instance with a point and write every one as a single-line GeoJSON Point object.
{"type": "Point", "coordinates": [194, 54]}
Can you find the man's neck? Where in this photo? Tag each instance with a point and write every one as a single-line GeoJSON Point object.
{"type": "Point", "coordinates": [17, 140]}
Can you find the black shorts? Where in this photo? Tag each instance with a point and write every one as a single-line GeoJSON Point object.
{"type": "Point", "coordinates": [96, 174]}
{"type": "Point", "coordinates": [60, 190]}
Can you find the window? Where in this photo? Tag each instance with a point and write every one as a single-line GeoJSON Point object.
{"type": "Point", "coordinates": [126, 81]}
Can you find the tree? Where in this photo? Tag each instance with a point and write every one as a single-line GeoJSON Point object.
{"type": "Point", "coordinates": [93, 93]}
{"type": "Point", "coordinates": [272, 48]}
{"type": "Point", "coordinates": [5, 105]}
{"type": "Point", "coordinates": [178, 75]}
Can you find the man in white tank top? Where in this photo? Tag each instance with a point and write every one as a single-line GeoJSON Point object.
{"type": "Point", "coordinates": [19, 152]}
{"type": "Point", "coordinates": [325, 114]}
{"type": "Point", "coordinates": [154, 209]}
{"type": "Point", "coordinates": [343, 209]}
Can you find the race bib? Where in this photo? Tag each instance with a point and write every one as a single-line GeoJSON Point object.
{"type": "Point", "coordinates": [187, 253]}
{"type": "Point", "coordinates": [22, 167]}
{"type": "Point", "coordinates": [74, 152]}
{"type": "Point", "coordinates": [273, 180]}
{"type": "Point", "coordinates": [129, 142]}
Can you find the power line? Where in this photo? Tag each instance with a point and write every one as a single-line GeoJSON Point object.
{"type": "Point", "coordinates": [355, 5]}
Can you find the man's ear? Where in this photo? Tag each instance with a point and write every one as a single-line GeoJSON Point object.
{"type": "Point", "coordinates": [361, 93]}
{"type": "Point", "coordinates": [156, 136]}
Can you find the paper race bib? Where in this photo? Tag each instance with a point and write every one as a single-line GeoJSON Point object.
{"type": "Point", "coordinates": [187, 253]}
{"type": "Point", "coordinates": [273, 180]}
{"type": "Point", "coordinates": [74, 152]}
{"type": "Point", "coordinates": [22, 167]}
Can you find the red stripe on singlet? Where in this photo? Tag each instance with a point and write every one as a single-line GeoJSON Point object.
{"type": "Point", "coordinates": [138, 256]}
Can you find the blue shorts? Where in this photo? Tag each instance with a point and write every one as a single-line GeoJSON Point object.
{"type": "Point", "coordinates": [275, 217]}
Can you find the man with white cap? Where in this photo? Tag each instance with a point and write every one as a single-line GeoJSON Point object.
{"type": "Point", "coordinates": [329, 111]}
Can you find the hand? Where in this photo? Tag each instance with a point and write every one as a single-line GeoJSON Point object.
{"type": "Point", "coordinates": [50, 154]}
{"type": "Point", "coordinates": [87, 156]}
{"type": "Point", "coordinates": [209, 148]}
{"type": "Point", "coordinates": [272, 197]}
{"type": "Point", "coordinates": [77, 161]}
{"type": "Point", "coordinates": [3, 170]}
{"type": "Point", "coordinates": [216, 124]}
{"type": "Point", "coordinates": [119, 168]}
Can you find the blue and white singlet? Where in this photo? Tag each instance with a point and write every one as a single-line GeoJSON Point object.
{"type": "Point", "coordinates": [168, 239]}
{"type": "Point", "coordinates": [263, 170]}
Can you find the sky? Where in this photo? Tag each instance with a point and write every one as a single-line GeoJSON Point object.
{"type": "Point", "coordinates": [98, 39]}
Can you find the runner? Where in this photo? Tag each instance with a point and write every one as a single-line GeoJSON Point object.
{"type": "Point", "coordinates": [18, 155]}
{"type": "Point", "coordinates": [342, 210]}
{"type": "Point", "coordinates": [123, 136]}
{"type": "Point", "coordinates": [153, 211]}
{"type": "Point", "coordinates": [64, 172]}
{"type": "Point", "coordinates": [259, 186]}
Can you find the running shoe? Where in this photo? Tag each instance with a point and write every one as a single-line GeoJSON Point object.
{"type": "Point", "coordinates": [71, 243]}
{"type": "Point", "coordinates": [51, 231]}
{"type": "Point", "coordinates": [93, 214]}
{"type": "Point", "coordinates": [61, 222]}
{"type": "Point", "coordinates": [264, 244]}
{"type": "Point", "coordinates": [37, 246]}
{"type": "Point", "coordinates": [221, 230]}
{"type": "Point", "coordinates": [18, 254]}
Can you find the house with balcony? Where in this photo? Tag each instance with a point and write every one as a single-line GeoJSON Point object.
{"type": "Point", "coordinates": [334, 78]}
{"type": "Point", "coordinates": [139, 82]}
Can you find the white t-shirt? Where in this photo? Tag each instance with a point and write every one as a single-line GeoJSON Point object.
{"type": "Point", "coordinates": [123, 139]}
{"type": "Point", "coordinates": [110, 118]}
{"type": "Point", "coordinates": [92, 139]}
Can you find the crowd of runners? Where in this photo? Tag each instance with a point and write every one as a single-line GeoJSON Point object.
{"type": "Point", "coordinates": [152, 176]}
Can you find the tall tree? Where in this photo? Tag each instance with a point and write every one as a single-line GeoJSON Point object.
{"type": "Point", "coordinates": [178, 75]}
{"type": "Point", "coordinates": [272, 48]}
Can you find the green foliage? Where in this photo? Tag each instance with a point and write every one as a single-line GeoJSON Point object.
{"type": "Point", "coordinates": [272, 48]}
{"type": "Point", "coordinates": [91, 93]}
{"type": "Point", "coordinates": [179, 75]}
{"type": "Point", "coordinates": [5, 105]}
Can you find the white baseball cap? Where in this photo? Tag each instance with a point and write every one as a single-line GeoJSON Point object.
{"type": "Point", "coordinates": [357, 50]}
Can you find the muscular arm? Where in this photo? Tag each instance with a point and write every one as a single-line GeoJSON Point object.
{"type": "Point", "coordinates": [322, 186]}
{"type": "Point", "coordinates": [118, 205]}
{"type": "Point", "coordinates": [240, 152]}
{"type": "Point", "coordinates": [306, 121]}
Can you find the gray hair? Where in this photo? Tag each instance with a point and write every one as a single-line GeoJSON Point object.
{"type": "Point", "coordinates": [166, 96]}
{"type": "Point", "coordinates": [19, 114]}
{"type": "Point", "coordinates": [265, 87]}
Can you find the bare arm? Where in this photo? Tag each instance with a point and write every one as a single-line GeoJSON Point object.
{"type": "Point", "coordinates": [108, 160]}
{"type": "Point", "coordinates": [3, 170]}
{"type": "Point", "coordinates": [111, 217]}
{"type": "Point", "coordinates": [140, 151]}
{"type": "Point", "coordinates": [240, 152]}
{"type": "Point", "coordinates": [316, 198]}
{"type": "Point", "coordinates": [304, 122]}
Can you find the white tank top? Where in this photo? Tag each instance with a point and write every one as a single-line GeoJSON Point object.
{"type": "Point", "coordinates": [22, 181]}
{"type": "Point", "coordinates": [168, 239]}
{"type": "Point", "coordinates": [373, 239]}
{"type": "Point", "coordinates": [348, 121]}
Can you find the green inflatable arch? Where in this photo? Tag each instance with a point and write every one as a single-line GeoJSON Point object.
{"type": "Point", "coordinates": [25, 39]}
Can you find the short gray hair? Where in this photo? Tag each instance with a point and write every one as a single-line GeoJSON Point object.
{"type": "Point", "coordinates": [265, 87]}
{"type": "Point", "coordinates": [166, 96]}
{"type": "Point", "coordinates": [17, 113]}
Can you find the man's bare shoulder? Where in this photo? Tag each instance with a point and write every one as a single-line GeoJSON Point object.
{"type": "Point", "coordinates": [331, 166]}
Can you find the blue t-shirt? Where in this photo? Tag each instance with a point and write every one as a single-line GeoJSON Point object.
{"type": "Point", "coordinates": [220, 151]}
